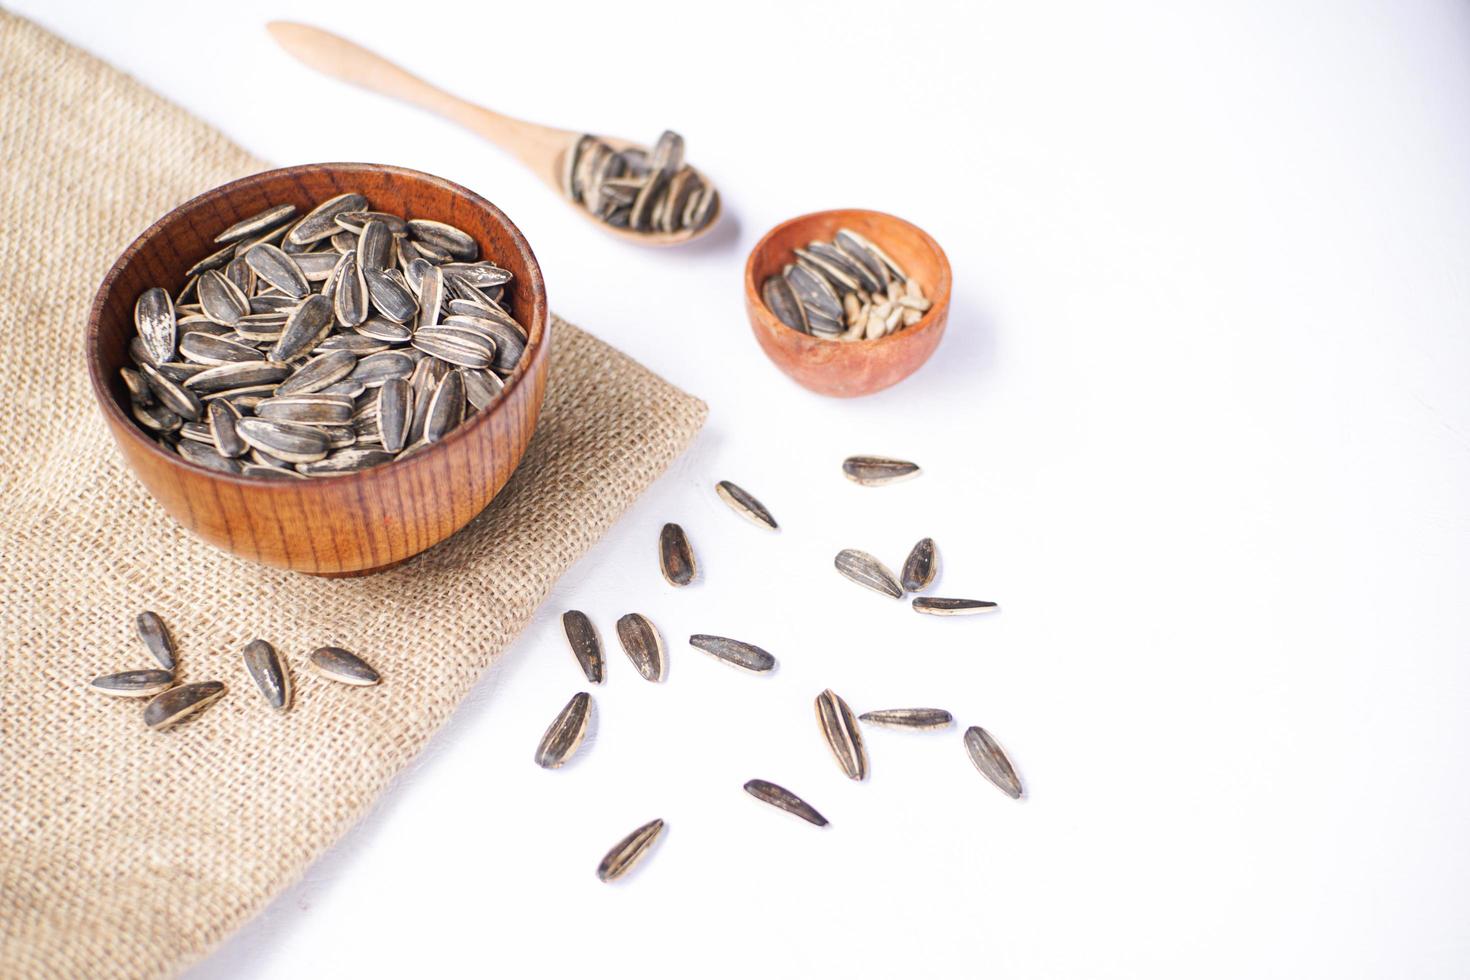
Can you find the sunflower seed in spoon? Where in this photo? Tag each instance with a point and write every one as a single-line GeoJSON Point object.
{"type": "Point", "coordinates": [840, 728]}
{"type": "Point", "coordinates": [783, 799]}
{"type": "Point", "coordinates": [269, 672]}
{"type": "Point", "coordinates": [629, 851]}
{"type": "Point", "coordinates": [340, 665]}
{"type": "Point", "coordinates": [745, 505]}
{"type": "Point", "coordinates": [865, 570]}
{"type": "Point", "coordinates": [565, 733]}
{"type": "Point", "coordinates": [934, 606]}
{"type": "Point", "coordinates": [133, 683]}
{"type": "Point", "coordinates": [921, 566]}
{"type": "Point", "coordinates": [585, 643]}
{"type": "Point", "coordinates": [989, 758]}
{"type": "Point", "coordinates": [736, 652]}
{"type": "Point", "coordinates": [925, 718]}
{"type": "Point", "coordinates": [644, 646]}
{"type": "Point", "coordinates": [177, 703]}
{"type": "Point", "coordinates": [877, 471]}
{"type": "Point", "coordinates": [675, 555]}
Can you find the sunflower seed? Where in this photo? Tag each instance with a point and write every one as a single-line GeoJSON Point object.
{"type": "Point", "coordinates": [307, 409]}
{"type": "Point", "coordinates": [177, 703]}
{"type": "Point", "coordinates": [395, 408]}
{"type": "Point", "coordinates": [456, 347]}
{"type": "Point", "coordinates": [745, 505]}
{"type": "Point", "coordinates": [864, 569]}
{"type": "Point", "coordinates": [154, 317]}
{"type": "Point", "coordinates": [346, 461]}
{"type": "Point", "coordinates": [921, 566]}
{"type": "Point", "coordinates": [222, 300]}
{"type": "Point", "coordinates": [304, 329]}
{"type": "Point", "coordinates": [783, 799]}
{"type": "Point", "coordinates": [322, 371]}
{"type": "Point", "coordinates": [736, 652]}
{"type": "Point", "coordinates": [991, 761]}
{"type": "Point", "coordinates": [156, 418]}
{"type": "Point", "coordinates": [214, 260]}
{"type": "Point", "coordinates": [321, 221]}
{"type": "Point", "coordinates": [269, 672]}
{"type": "Point", "coordinates": [781, 300]}
{"type": "Point", "coordinates": [173, 396]}
{"type": "Point", "coordinates": [814, 292]}
{"type": "Point", "coordinates": [208, 349]}
{"type": "Point", "coordinates": [840, 729]}
{"type": "Point", "coordinates": [585, 643]}
{"type": "Point", "coordinates": [430, 297]}
{"type": "Point", "coordinates": [675, 556]}
{"type": "Point", "coordinates": [222, 420]}
{"type": "Point", "coordinates": [628, 851]}
{"type": "Point", "coordinates": [445, 238]}
{"type": "Point", "coordinates": [446, 407]}
{"type": "Point", "coordinates": [481, 387]}
{"type": "Point", "coordinates": [636, 190]}
{"type": "Point", "coordinates": [134, 683]}
{"type": "Point", "coordinates": [564, 736]}
{"type": "Point", "coordinates": [952, 607]}
{"type": "Point", "coordinates": [339, 665]}
{"type": "Point", "coordinates": [257, 224]}
{"type": "Point", "coordinates": [206, 455]}
{"type": "Point", "coordinates": [277, 268]}
{"type": "Point", "coordinates": [156, 637]}
{"type": "Point", "coordinates": [644, 646]}
{"type": "Point", "coordinates": [289, 441]}
{"type": "Point", "coordinates": [908, 718]}
{"type": "Point", "coordinates": [374, 247]}
{"type": "Point", "coordinates": [875, 471]}
{"type": "Point", "coordinates": [234, 377]}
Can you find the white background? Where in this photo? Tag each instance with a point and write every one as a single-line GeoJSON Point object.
{"type": "Point", "coordinates": [1200, 424]}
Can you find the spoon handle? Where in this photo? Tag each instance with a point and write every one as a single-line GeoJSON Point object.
{"type": "Point", "coordinates": [538, 147]}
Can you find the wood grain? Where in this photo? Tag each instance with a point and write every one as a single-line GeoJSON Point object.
{"type": "Point", "coordinates": [847, 369]}
{"type": "Point", "coordinates": [358, 522]}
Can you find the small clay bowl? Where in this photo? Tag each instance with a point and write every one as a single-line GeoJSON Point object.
{"type": "Point", "coordinates": [354, 523]}
{"type": "Point", "coordinates": [846, 369]}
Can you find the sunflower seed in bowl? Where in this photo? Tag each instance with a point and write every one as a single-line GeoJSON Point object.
{"type": "Point", "coordinates": [846, 289]}
{"type": "Point", "coordinates": [302, 325]}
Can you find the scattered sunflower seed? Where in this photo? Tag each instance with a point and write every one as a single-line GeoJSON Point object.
{"type": "Point", "coordinates": [991, 761]}
{"type": "Point", "coordinates": [628, 851]}
{"type": "Point", "coordinates": [908, 718]}
{"type": "Point", "coordinates": [177, 703]}
{"type": "Point", "coordinates": [865, 570]}
{"type": "Point", "coordinates": [921, 566]}
{"type": "Point", "coordinates": [840, 729]}
{"type": "Point", "coordinates": [337, 302]}
{"type": "Point", "coordinates": [736, 652]}
{"type": "Point", "coordinates": [585, 643]}
{"type": "Point", "coordinates": [783, 799]}
{"type": "Point", "coordinates": [156, 638]}
{"type": "Point", "coordinates": [564, 736]}
{"type": "Point", "coordinates": [952, 607]}
{"type": "Point", "coordinates": [269, 672]}
{"type": "Point", "coordinates": [675, 556]}
{"type": "Point", "coordinates": [745, 505]}
{"type": "Point", "coordinates": [875, 471]}
{"type": "Point", "coordinates": [644, 646]}
{"type": "Point", "coordinates": [339, 665]}
{"type": "Point", "coordinates": [134, 683]}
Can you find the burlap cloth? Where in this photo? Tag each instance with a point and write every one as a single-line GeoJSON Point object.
{"type": "Point", "coordinates": [129, 852]}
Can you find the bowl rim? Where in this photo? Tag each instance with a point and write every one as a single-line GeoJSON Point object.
{"type": "Point", "coordinates": [939, 300]}
{"type": "Point", "coordinates": [538, 333]}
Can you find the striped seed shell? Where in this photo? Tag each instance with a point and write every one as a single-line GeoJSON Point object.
{"type": "Point", "coordinates": [445, 238]}
{"type": "Point", "coordinates": [781, 300]}
{"type": "Point", "coordinates": [921, 566]}
{"type": "Point", "coordinates": [156, 418]}
{"type": "Point", "coordinates": [231, 377]}
{"type": "Point", "coordinates": [269, 671]}
{"type": "Point", "coordinates": [156, 637]}
{"type": "Point", "coordinates": [172, 395]}
{"type": "Point", "coordinates": [736, 652]}
{"type": "Point", "coordinates": [206, 348]}
{"type": "Point", "coordinates": [391, 297]}
{"type": "Point", "coordinates": [346, 461]}
{"type": "Point", "coordinates": [223, 417]}
{"type": "Point", "coordinates": [875, 471]}
{"type": "Point", "coordinates": [177, 703]}
{"type": "Point", "coordinates": [157, 323]}
{"type": "Point", "coordinates": [431, 296]}
{"type": "Point", "coordinates": [204, 454]}
{"type": "Point", "coordinates": [322, 371]}
{"type": "Point", "coordinates": [908, 718]}
{"type": "Point", "coordinates": [934, 606]}
{"type": "Point", "coordinates": [745, 505]}
{"type": "Point", "coordinates": [675, 555]}
{"type": "Point", "coordinates": [585, 643]}
{"type": "Point", "coordinates": [481, 387]}
{"type": "Point", "coordinates": [321, 221]}
{"type": "Point", "coordinates": [458, 347]}
{"type": "Point", "coordinates": [628, 851]}
{"type": "Point", "coordinates": [305, 327]}
{"type": "Point", "coordinates": [256, 224]}
{"type": "Point", "coordinates": [134, 683]}
{"type": "Point", "coordinates": [865, 570]}
{"type": "Point", "coordinates": [339, 665]}
{"type": "Point", "coordinates": [783, 799]}
{"type": "Point", "coordinates": [349, 291]}
{"type": "Point", "coordinates": [840, 729]}
{"type": "Point", "coordinates": [988, 757]}
{"type": "Point", "coordinates": [290, 441]}
{"type": "Point", "coordinates": [565, 734]}
{"type": "Point", "coordinates": [395, 409]}
{"type": "Point", "coordinates": [221, 300]}
{"type": "Point", "coordinates": [307, 409]}
{"type": "Point", "coordinates": [374, 246]}
{"type": "Point", "coordinates": [278, 269]}
{"type": "Point", "coordinates": [446, 408]}
{"type": "Point", "coordinates": [376, 369]}
{"type": "Point", "coordinates": [644, 646]}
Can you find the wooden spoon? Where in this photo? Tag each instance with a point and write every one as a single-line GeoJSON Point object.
{"type": "Point", "coordinates": [542, 148]}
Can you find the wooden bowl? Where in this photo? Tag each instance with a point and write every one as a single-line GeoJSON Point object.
{"type": "Point", "coordinates": [846, 369]}
{"type": "Point", "coordinates": [354, 523]}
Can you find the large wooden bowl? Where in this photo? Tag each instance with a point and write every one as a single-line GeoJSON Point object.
{"type": "Point", "coordinates": [846, 369]}
{"type": "Point", "coordinates": [357, 522]}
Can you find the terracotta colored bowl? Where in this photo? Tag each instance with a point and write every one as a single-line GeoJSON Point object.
{"type": "Point", "coordinates": [356, 522]}
{"type": "Point", "coordinates": [847, 369]}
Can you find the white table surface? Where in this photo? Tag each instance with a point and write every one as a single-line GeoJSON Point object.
{"type": "Point", "coordinates": [1200, 424]}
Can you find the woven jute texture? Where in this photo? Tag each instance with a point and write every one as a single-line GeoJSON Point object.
{"type": "Point", "coordinates": [128, 852]}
